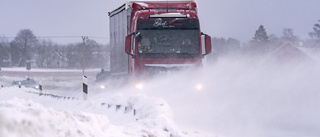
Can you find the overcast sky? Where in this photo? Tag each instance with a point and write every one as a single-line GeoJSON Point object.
{"type": "Point", "coordinates": [220, 18]}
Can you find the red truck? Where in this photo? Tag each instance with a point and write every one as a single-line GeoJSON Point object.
{"type": "Point", "coordinates": [150, 37]}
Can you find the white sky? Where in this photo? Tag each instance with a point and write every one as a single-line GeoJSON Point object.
{"type": "Point", "coordinates": [223, 18]}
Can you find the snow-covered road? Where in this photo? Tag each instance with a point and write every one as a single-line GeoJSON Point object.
{"type": "Point", "coordinates": [238, 98]}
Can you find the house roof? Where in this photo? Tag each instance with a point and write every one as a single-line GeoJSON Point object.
{"type": "Point", "coordinates": [59, 55]}
{"type": "Point", "coordinates": [288, 52]}
{"type": "Point", "coordinates": [311, 52]}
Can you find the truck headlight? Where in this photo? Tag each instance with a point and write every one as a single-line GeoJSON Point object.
{"type": "Point", "coordinates": [139, 85]}
{"type": "Point", "coordinates": [102, 87]}
{"type": "Point", "coordinates": [199, 86]}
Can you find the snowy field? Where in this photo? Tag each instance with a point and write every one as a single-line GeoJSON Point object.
{"type": "Point", "coordinates": [238, 98]}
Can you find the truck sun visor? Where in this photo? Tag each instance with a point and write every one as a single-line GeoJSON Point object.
{"type": "Point", "coordinates": [169, 15]}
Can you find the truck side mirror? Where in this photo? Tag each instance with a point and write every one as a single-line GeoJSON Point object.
{"type": "Point", "coordinates": [207, 40]}
{"type": "Point", "coordinates": [128, 44]}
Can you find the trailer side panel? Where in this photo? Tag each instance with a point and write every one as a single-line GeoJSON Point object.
{"type": "Point", "coordinates": [119, 28]}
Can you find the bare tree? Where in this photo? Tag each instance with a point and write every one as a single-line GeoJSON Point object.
{"type": "Point", "coordinates": [4, 51]}
{"type": "Point", "coordinates": [44, 49]}
{"type": "Point", "coordinates": [102, 57]}
{"type": "Point", "coordinates": [72, 54]}
{"type": "Point", "coordinates": [288, 35]}
{"type": "Point", "coordinates": [224, 46]}
{"type": "Point", "coordinates": [86, 53]}
{"type": "Point", "coordinates": [316, 32]}
{"type": "Point", "coordinates": [24, 40]}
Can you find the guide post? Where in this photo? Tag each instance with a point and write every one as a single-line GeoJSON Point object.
{"type": "Point", "coordinates": [28, 67]}
{"type": "Point", "coordinates": [40, 87]}
{"type": "Point", "coordinates": [85, 87]}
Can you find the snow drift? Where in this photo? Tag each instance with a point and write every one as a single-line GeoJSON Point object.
{"type": "Point", "coordinates": [21, 115]}
{"type": "Point", "coordinates": [239, 97]}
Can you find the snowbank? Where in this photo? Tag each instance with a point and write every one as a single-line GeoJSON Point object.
{"type": "Point", "coordinates": [29, 119]}
{"type": "Point", "coordinates": [23, 114]}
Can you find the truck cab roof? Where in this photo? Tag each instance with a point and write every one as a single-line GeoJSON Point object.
{"type": "Point", "coordinates": [129, 3]}
{"type": "Point", "coordinates": [157, 5]}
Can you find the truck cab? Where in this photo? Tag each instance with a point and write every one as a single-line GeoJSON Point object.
{"type": "Point", "coordinates": [161, 36]}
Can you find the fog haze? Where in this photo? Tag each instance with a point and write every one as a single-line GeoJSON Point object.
{"type": "Point", "coordinates": [245, 97]}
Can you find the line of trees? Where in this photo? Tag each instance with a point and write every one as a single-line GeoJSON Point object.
{"type": "Point", "coordinates": [44, 53]}
{"type": "Point", "coordinates": [263, 43]}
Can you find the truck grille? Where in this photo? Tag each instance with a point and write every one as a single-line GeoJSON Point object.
{"type": "Point", "coordinates": [154, 69]}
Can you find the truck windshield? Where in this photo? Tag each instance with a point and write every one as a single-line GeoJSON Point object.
{"type": "Point", "coordinates": [160, 39]}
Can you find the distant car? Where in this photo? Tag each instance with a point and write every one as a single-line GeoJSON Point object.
{"type": "Point", "coordinates": [103, 75]}
{"type": "Point", "coordinates": [29, 83]}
